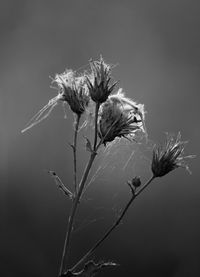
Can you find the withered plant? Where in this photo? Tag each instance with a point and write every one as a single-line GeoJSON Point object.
{"type": "Point", "coordinates": [91, 96]}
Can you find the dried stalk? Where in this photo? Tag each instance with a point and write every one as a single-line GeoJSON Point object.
{"type": "Point", "coordinates": [115, 224]}
{"type": "Point", "coordinates": [65, 256]}
{"type": "Point", "coordinates": [74, 147]}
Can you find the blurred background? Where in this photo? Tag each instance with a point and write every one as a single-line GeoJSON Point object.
{"type": "Point", "coordinates": [156, 47]}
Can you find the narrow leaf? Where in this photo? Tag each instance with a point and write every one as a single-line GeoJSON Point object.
{"type": "Point", "coordinates": [88, 145]}
{"type": "Point", "coordinates": [60, 184]}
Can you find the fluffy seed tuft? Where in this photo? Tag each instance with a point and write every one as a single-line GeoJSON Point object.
{"type": "Point", "coordinates": [169, 156]}
{"type": "Point", "coordinates": [120, 117]}
{"type": "Point", "coordinates": [73, 90]}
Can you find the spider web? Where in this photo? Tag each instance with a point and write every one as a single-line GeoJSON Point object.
{"type": "Point", "coordinates": [120, 157]}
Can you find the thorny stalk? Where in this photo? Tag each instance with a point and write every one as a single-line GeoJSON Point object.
{"type": "Point", "coordinates": [115, 224]}
{"type": "Point", "coordinates": [74, 147]}
{"type": "Point", "coordinates": [65, 256]}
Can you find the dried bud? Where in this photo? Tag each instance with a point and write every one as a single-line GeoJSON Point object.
{"type": "Point", "coordinates": [136, 182]}
{"type": "Point", "coordinates": [73, 90]}
{"type": "Point", "coordinates": [169, 156]}
{"type": "Point", "coordinates": [99, 81]}
{"type": "Point", "coordinates": [120, 117]}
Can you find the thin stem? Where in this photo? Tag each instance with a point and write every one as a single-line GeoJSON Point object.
{"type": "Point", "coordinates": [145, 185]}
{"type": "Point", "coordinates": [66, 248]}
{"type": "Point", "coordinates": [115, 224]}
{"type": "Point", "coordinates": [65, 256]}
{"type": "Point", "coordinates": [95, 126]}
{"type": "Point", "coordinates": [74, 147]}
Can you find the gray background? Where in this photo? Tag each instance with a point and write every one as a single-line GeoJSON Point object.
{"type": "Point", "coordinates": [156, 45]}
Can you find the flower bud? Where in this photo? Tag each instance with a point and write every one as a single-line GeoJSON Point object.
{"type": "Point", "coordinates": [136, 182]}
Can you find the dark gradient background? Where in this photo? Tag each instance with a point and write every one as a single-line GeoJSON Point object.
{"type": "Point", "coordinates": [156, 45]}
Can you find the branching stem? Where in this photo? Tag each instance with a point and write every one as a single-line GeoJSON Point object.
{"type": "Point", "coordinates": [115, 224]}
{"type": "Point", "coordinates": [65, 256]}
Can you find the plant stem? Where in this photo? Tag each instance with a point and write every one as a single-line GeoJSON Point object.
{"type": "Point", "coordinates": [74, 147]}
{"type": "Point", "coordinates": [115, 224]}
{"type": "Point", "coordinates": [95, 126]}
{"type": "Point", "coordinates": [145, 185]}
{"type": "Point", "coordinates": [66, 248]}
{"type": "Point", "coordinates": [65, 257]}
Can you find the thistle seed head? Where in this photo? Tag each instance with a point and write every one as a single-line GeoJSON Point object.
{"type": "Point", "coordinates": [169, 156]}
{"type": "Point", "coordinates": [73, 90]}
{"type": "Point", "coordinates": [98, 81]}
{"type": "Point", "coordinates": [120, 117]}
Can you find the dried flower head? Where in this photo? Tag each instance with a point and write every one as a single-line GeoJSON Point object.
{"type": "Point", "coordinates": [169, 156]}
{"type": "Point", "coordinates": [99, 81]}
{"type": "Point", "coordinates": [72, 89]}
{"type": "Point", "coordinates": [120, 117]}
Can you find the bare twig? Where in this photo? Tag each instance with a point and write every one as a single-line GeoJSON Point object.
{"type": "Point", "coordinates": [95, 126]}
{"type": "Point", "coordinates": [74, 147]}
{"type": "Point", "coordinates": [115, 224]}
{"type": "Point", "coordinates": [65, 255]}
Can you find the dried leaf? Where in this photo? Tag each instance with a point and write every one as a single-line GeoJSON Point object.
{"type": "Point", "coordinates": [131, 187]}
{"type": "Point", "coordinates": [88, 145]}
{"type": "Point", "coordinates": [60, 184]}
